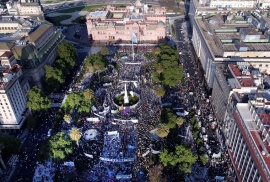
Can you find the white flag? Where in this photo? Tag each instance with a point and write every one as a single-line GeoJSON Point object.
{"type": "Point", "coordinates": [134, 38]}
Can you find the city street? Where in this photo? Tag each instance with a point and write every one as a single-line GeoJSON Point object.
{"type": "Point", "coordinates": [28, 154]}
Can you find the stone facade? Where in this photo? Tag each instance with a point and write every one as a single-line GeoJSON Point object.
{"type": "Point", "coordinates": [117, 24]}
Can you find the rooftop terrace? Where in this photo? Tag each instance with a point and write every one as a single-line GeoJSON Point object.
{"type": "Point", "coordinates": [229, 34]}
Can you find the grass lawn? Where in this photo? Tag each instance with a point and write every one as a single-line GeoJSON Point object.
{"type": "Point", "coordinates": [48, 2]}
{"type": "Point", "coordinates": [82, 8]}
{"type": "Point", "coordinates": [87, 8]}
{"type": "Point", "coordinates": [80, 19]}
{"type": "Point", "coordinates": [56, 20]}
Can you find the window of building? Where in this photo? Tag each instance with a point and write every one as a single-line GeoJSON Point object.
{"type": "Point", "coordinates": [260, 65]}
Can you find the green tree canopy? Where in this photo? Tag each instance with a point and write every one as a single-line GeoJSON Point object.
{"type": "Point", "coordinates": [79, 101]}
{"type": "Point", "coordinates": [37, 101]}
{"type": "Point", "coordinates": [67, 52]}
{"type": "Point", "coordinates": [95, 62]}
{"type": "Point", "coordinates": [168, 118]}
{"type": "Point", "coordinates": [54, 77]}
{"type": "Point", "coordinates": [60, 146]}
{"type": "Point", "coordinates": [167, 69]}
{"type": "Point", "coordinates": [204, 159]}
{"type": "Point", "coordinates": [182, 158]}
{"type": "Point", "coordinates": [61, 65]}
{"type": "Point", "coordinates": [179, 121]}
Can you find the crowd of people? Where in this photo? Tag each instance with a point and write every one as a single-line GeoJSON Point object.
{"type": "Point", "coordinates": [124, 140]}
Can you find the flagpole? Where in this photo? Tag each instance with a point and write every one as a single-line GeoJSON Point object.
{"type": "Point", "coordinates": [132, 46]}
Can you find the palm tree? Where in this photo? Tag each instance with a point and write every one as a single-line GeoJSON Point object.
{"type": "Point", "coordinates": [180, 121]}
{"type": "Point", "coordinates": [75, 135]}
{"type": "Point", "coordinates": [162, 131]}
{"type": "Point", "coordinates": [159, 69]}
{"type": "Point", "coordinates": [67, 118]}
{"type": "Point", "coordinates": [88, 94]}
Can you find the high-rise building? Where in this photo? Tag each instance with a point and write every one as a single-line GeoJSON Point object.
{"type": "Point", "coordinates": [119, 24]}
{"type": "Point", "coordinates": [247, 136]}
{"type": "Point", "coordinates": [13, 93]}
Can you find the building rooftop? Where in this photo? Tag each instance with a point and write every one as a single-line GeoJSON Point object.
{"type": "Point", "coordinates": [30, 4]}
{"type": "Point", "coordinates": [227, 33]}
{"type": "Point", "coordinates": [242, 75]}
{"type": "Point", "coordinates": [98, 14]}
{"type": "Point", "coordinates": [7, 54]}
{"type": "Point", "coordinates": [36, 34]}
{"type": "Point", "coordinates": [6, 46]}
{"type": "Point", "coordinates": [252, 139]}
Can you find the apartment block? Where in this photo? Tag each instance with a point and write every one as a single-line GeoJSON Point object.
{"type": "Point", "coordinates": [13, 93]}
{"type": "Point", "coordinates": [247, 135]}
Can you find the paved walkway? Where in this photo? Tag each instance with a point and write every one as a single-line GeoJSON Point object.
{"type": "Point", "coordinates": [74, 15]}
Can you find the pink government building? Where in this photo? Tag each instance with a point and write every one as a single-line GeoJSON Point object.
{"type": "Point", "coordinates": [117, 24]}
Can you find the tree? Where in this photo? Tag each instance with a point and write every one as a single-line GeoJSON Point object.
{"type": "Point", "coordinates": [54, 77]}
{"type": "Point", "coordinates": [199, 141]}
{"type": "Point", "coordinates": [157, 51]}
{"type": "Point", "coordinates": [201, 149]}
{"type": "Point", "coordinates": [167, 68]}
{"type": "Point", "coordinates": [180, 121]}
{"type": "Point", "coordinates": [60, 146]}
{"type": "Point", "coordinates": [37, 101]}
{"type": "Point", "coordinates": [67, 118]}
{"type": "Point", "coordinates": [168, 118]}
{"type": "Point", "coordinates": [182, 158]}
{"type": "Point", "coordinates": [155, 173]}
{"type": "Point", "coordinates": [75, 135]}
{"type": "Point", "coordinates": [160, 91]}
{"type": "Point", "coordinates": [79, 101]}
{"type": "Point", "coordinates": [61, 65]}
{"type": "Point", "coordinates": [104, 51]}
{"type": "Point", "coordinates": [67, 51]}
{"type": "Point", "coordinates": [204, 159]}
{"type": "Point", "coordinates": [95, 62]}
{"type": "Point", "coordinates": [163, 131]}
{"type": "Point", "coordinates": [11, 143]}
{"type": "Point", "coordinates": [159, 69]}
{"type": "Point", "coordinates": [88, 94]}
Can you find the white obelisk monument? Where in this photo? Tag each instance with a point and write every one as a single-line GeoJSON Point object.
{"type": "Point", "coordinates": [126, 100]}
